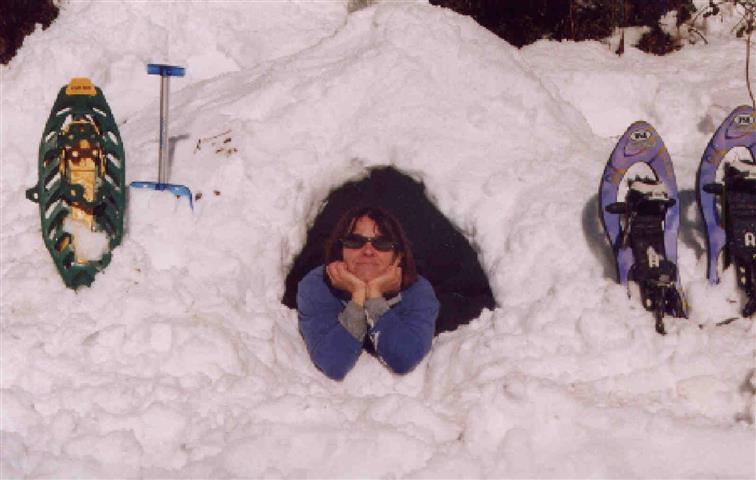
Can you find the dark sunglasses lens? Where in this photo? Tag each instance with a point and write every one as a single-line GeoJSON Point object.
{"type": "Point", "coordinates": [353, 241]}
{"type": "Point", "coordinates": [383, 244]}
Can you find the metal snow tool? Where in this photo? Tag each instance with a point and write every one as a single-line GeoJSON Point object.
{"type": "Point", "coordinates": [165, 72]}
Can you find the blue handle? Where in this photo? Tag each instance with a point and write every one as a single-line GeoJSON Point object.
{"type": "Point", "coordinates": [165, 70]}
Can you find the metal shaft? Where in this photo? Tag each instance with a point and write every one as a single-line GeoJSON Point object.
{"type": "Point", "coordinates": [163, 155]}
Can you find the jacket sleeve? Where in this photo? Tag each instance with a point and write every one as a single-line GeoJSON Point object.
{"type": "Point", "coordinates": [403, 335]}
{"type": "Point", "coordinates": [331, 347]}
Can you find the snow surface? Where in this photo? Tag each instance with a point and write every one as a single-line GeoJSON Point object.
{"type": "Point", "coordinates": [180, 360]}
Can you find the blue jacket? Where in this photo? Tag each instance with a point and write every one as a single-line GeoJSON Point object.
{"type": "Point", "coordinates": [401, 337]}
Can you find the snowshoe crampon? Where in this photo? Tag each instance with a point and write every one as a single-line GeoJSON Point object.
{"type": "Point", "coordinates": [729, 207]}
{"type": "Point", "coordinates": [642, 228]}
{"type": "Point", "coordinates": [80, 190]}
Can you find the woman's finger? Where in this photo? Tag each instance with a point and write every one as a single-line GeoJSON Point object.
{"type": "Point", "coordinates": [333, 273]}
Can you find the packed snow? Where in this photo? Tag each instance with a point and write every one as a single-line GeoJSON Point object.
{"type": "Point", "coordinates": [180, 361]}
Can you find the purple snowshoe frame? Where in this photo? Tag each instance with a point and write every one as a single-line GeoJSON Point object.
{"type": "Point", "coordinates": [640, 143]}
{"type": "Point", "coordinates": [738, 130]}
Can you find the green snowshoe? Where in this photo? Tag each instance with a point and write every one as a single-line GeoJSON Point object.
{"type": "Point", "coordinates": [81, 187]}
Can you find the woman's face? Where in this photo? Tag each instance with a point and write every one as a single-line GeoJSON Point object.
{"type": "Point", "coordinates": [367, 263]}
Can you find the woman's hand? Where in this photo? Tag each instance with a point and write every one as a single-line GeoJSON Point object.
{"type": "Point", "coordinates": [343, 279]}
{"type": "Point", "coordinates": [388, 281]}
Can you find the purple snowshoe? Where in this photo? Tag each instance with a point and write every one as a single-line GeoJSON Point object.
{"type": "Point", "coordinates": [642, 228]}
{"type": "Point", "coordinates": [729, 207]}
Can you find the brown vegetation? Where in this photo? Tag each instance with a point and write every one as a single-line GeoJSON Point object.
{"type": "Point", "coordinates": [18, 18]}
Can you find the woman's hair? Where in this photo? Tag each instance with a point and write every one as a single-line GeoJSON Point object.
{"type": "Point", "coordinates": [389, 227]}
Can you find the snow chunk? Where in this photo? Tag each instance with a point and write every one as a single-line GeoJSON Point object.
{"type": "Point", "coordinates": [89, 245]}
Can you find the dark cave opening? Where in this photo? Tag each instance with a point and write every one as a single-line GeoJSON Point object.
{"type": "Point", "coordinates": [442, 253]}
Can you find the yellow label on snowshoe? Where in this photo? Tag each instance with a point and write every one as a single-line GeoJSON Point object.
{"type": "Point", "coordinates": [81, 86]}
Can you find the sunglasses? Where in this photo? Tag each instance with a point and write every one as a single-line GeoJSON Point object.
{"type": "Point", "coordinates": [354, 241]}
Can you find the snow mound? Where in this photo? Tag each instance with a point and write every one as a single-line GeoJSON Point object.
{"type": "Point", "coordinates": [180, 359]}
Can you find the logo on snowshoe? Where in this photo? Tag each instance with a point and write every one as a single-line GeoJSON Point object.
{"type": "Point", "coordinates": [640, 135]}
{"type": "Point", "coordinates": [744, 120]}
{"type": "Point", "coordinates": [81, 86]}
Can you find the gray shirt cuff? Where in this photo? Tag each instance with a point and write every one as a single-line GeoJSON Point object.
{"type": "Point", "coordinates": [353, 319]}
{"type": "Point", "coordinates": [375, 308]}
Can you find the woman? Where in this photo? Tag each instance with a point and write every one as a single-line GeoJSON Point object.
{"type": "Point", "coordinates": [367, 288]}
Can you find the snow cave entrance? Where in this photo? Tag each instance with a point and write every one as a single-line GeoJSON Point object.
{"type": "Point", "coordinates": [443, 255]}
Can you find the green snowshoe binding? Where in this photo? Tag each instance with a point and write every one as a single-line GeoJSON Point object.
{"type": "Point", "coordinates": [80, 190]}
